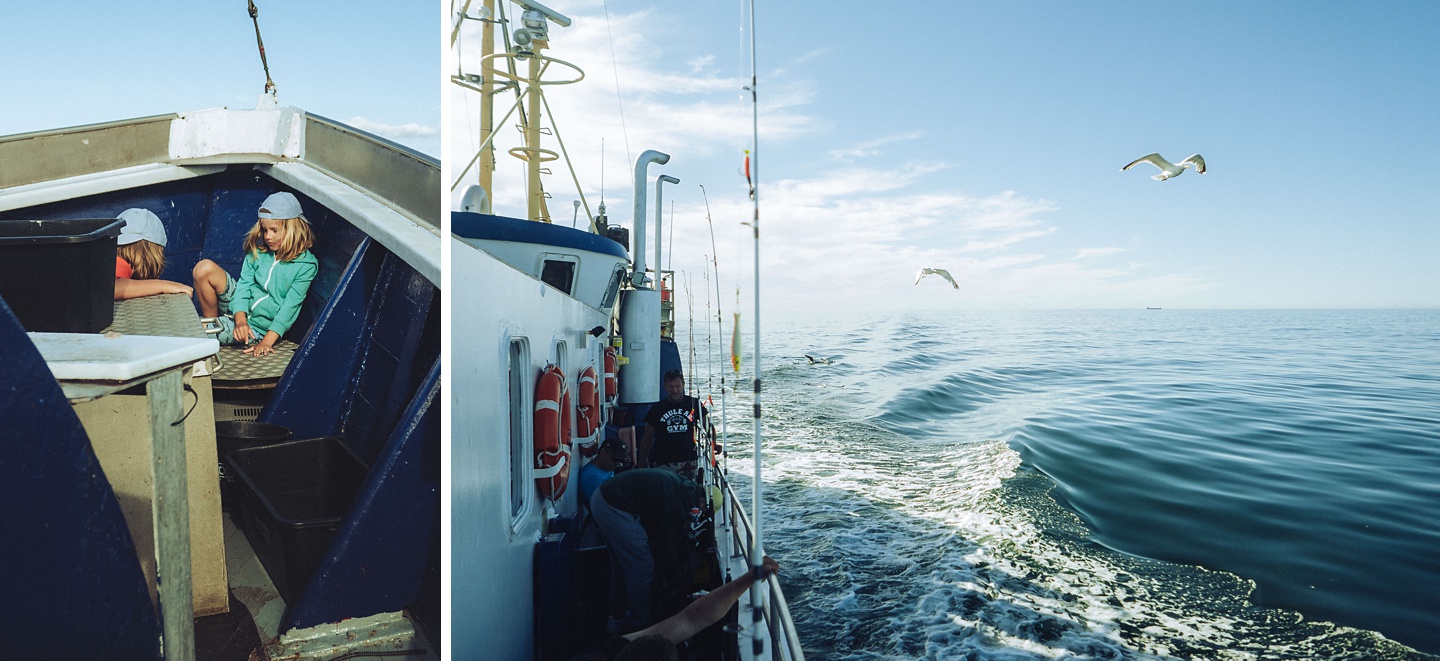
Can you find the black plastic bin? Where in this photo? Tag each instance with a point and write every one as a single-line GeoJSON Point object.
{"type": "Point", "coordinates": [293, 498]}
{"type": "Point", "coordinates": [58, 276]}
{"type": "Point", "coordinates": [232, 435]}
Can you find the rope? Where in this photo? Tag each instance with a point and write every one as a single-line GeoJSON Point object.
{"type": "Point", "coordinates": [620, 102]}
{"type": "Point", "coordinates": [255, 16]}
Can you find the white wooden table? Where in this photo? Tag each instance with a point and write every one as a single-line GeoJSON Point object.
{"type": "Point", "coordinates": [91, 366]}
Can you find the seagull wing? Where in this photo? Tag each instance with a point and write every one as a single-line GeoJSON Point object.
{"type": "Point", "coordinates": [1197, 160]}
{"type": "Point", "coordinates": [810, 358]}
{"type": "Point", "coordinates": [946, 274]}
{"type": "Point", "coordinates": [920, 274]}
{"type": "Point", "coordinates": [1153, 159]}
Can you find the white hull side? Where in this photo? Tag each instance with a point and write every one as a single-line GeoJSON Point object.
{"type": "Point", "coordinates": [491, 562]}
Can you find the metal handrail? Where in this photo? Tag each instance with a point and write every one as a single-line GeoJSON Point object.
{"type": "Point", "coordinates": [776, 610]}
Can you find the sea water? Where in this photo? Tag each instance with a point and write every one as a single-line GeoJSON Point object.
{"type": "Point", "coordinates": [1137, 484]}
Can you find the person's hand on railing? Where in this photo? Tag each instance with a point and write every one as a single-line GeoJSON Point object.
{"type": "Point", "coordinates": [768, 567]}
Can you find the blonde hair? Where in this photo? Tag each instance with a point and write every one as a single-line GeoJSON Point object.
{"type": "Point", "coordinates": [298, 239]}
{"type": "Point", "coordinates": [146, 259]}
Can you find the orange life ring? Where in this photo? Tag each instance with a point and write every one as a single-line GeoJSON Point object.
{"type": "Point", "coordinates": [588, 411]}
{"type": "Point", "coordinates": [552, 433]}
{"type": "Point", "coordinates": [610, 367]}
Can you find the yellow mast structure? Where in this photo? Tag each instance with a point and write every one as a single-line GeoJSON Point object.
{"type": "Point", "coordinates": [534, 155]}
{"type": "Point", "coordinates": [530, 40]}
{"type": "Point", "coordinates": [526, 45]}
{"type": "Point", "coordinates": [487, 103]}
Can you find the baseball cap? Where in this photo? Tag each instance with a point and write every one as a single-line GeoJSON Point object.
{"type": "Point", "coordinates": [141, 224]}
{"type": "Point", "coordinates": [280, 206]}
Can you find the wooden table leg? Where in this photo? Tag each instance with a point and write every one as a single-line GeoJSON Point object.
{"type": "Point", "coordinates": [172, 515]}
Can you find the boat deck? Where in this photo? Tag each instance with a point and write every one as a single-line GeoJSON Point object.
{"type": "Point", "coordinates": [235, 635]}
{"type": "Point", "coordinates": [250, 630]}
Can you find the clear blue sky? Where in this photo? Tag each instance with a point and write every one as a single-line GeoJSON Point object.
{"type": "Point", "coordinates": [987, 138]}
{"type": "Point", "coordinates": [373, 64]}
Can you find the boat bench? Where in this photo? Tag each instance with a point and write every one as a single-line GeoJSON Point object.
{"type": "Point", "coordinates": [231, 369]}
{"type": "Point", "coordinates": [237, 370]}
{"type": "Point", "coordinates": [213, 226]}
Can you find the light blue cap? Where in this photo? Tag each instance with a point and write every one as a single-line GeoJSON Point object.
{"type": "Point", "coordinates": [141, 224]}
{"type": "Point", "coordinates": [280, 206]}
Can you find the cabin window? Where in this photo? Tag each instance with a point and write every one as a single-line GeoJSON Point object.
{"type": "Point", "coordinates": [559, 273]}
{"type": "Point", "coordinates": [612, 289]}
{"type": "Point", "coordinates": [521, 452]}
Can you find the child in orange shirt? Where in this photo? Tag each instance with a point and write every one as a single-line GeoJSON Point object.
{"type": "Point", "coordinates": [140, 258]}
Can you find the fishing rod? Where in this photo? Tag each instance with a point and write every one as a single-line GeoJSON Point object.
{"type": "Point", "coordinates": [690, 303]}
{"type": "Point", "coordinates": [709, 373]}
{"type": "Point", "coordinates": [719, 323]}
{"type": "Point", "coordinates": [756, 556]}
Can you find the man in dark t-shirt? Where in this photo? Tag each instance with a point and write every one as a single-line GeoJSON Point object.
{"type": "Point", "coordinates": [670, 425]}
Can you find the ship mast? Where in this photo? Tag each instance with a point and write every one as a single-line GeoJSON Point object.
{"type": "Point", "coordinates": [537, 33]}
{"type": "Point", "coordinates": [526, 44]}
{"type": "Point", "coordinates": [487, 104]}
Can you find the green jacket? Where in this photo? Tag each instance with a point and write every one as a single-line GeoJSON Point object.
{"type": "Point", "coordinates": [270, 293]}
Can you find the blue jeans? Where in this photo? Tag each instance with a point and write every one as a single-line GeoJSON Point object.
{"type": "Point", "coordinates": [631, 563]}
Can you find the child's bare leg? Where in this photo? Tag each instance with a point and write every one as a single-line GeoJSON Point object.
{"type": "Point", "coordinates": [209, 284]}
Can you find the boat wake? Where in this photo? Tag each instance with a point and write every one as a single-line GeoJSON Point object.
{"type": "Point", "coordinates": [900, 538]}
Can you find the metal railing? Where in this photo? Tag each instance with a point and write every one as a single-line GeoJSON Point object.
{"type": "Point", "coordinates": [775, 610]}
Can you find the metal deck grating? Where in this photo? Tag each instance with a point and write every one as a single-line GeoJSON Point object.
{"type": "Point", "coordinates": [236, 366]}
{"type": "Point", "coordinates": [163, 315]}
{"type": "Point", "coordinates": [173, 315]}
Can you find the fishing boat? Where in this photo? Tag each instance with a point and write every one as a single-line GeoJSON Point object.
{"type": "Point", "coordinates": [332, 544]}
{"type": "Point", "coordinates": [533, 299]}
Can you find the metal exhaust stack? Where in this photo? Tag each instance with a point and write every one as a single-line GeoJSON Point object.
{"type": "Point", "coordinates": [640, 307]}
{"type": "Point", "coordinates": [642, 164]}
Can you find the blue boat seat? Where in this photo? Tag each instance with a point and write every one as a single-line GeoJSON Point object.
{"type": "Point", "coordinates": [71, 574]}
{"type": "Point", "coordinates": [369, 372]}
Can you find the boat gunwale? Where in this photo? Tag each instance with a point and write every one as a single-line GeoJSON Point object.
{"type": "Point", "coordinates": [128, 149]}
{"type": "Point", "coordinates": [84, 128]}
{"type": "Point", "coordinates": [468, 225]}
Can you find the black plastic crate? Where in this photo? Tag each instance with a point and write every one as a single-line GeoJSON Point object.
{"type": "Point", "coordinates": [58, 276]}
{"type": "Point", "coordinates": [232, 435]}
{"type": "Point", "coordinates": [293, 498]}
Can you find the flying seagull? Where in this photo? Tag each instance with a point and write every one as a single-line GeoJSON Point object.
{"type": "Point", "coordinates": [823, 361]}
{"type": "Point", "coordinates": [1168, 169]}
{"type": "Point", "coordinates": [940, 272]}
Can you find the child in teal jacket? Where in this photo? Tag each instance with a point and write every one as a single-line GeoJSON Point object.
{"type": "Point", "coordinates": [274, 279]}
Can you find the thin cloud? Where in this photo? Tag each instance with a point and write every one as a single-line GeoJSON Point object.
{"type": "Point", "coordinates": [811, 54]}
{"type": "Point", "coordinates": [871, 148]}
{"type": "Point", "coordinates": [1086, 253]}
{"type": "Point", "coordinates": [699, 64]}
{"type": "Point", "coordinates": [1005, 240]}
